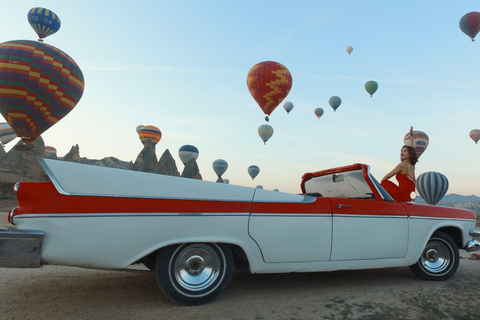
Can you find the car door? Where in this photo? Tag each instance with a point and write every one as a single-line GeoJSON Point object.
{"type": "Point", "coordinates": [368, 229]}
{"type": "Point", "coordinates": [292, 232]}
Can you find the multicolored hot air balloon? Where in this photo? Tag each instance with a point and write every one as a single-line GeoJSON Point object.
{"type": "Point", "coordinates": [474, 134]}
{"type": "Point", "coordinates": [420, 141]}
{"type": "Point", "coordinates": [269, 82]}
{"type": "Point", "coordinates": [149, 133]}
{"type": "Point", "coordinates": [50, 151]}
{"type": "Point", "coordinates": [220, 166]}
{"type": "Point", "coordinates": [188, 152]}
{"type": "Point", "coordinates": [371, 87]}
{"type": "Point", "coordinates": [318, 112]}
{"type": "Point", "coordinates": [335, 102]}
{"type": "Point", "coordinates": [349, 49]}
{"type": "Point", "coordinates": [253, 171]}
{"type": "Point", "coordinates": [470, 24]}
{"type": "Point", "coordinates": [39, 85]}
{"type": "Point", "coordinates": [6, 133]}
{"type": "Point", "coordinates": [265, 132]}
{"type": "Point", "coordinates": [288, 106]}
{"type": "Point", "coordinates": [43, 21]}
{"type": "Point", "coordinates": [432, 186]}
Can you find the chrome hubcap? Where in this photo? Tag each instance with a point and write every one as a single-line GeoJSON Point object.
{"type": "Point", "coordinates": [436, 257]}
{"type": "Point", "coordinates": [196, 267]}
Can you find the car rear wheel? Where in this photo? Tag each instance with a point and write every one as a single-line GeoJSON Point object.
{"type": "Point", "coordinates": [194, 273]}
{"type": "Point", "coordinates": [439, 260]}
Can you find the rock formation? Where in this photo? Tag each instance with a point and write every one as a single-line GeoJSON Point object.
{"type": "Point", "coordinates": [166, 165]}
{"type": "Point", "coordinates": [73, 155]}
{"type": "Point", "coordinates": [147, 159]}
{"type": "Point", "coordinates": [191, 170]}
{"type": "Point", "coordinates": [2, 152]}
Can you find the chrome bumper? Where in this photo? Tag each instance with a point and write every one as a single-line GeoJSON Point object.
{"type": "Point", "coordinates": [473, 245]}
{"type": "Point", "coordinates": [20, 249]}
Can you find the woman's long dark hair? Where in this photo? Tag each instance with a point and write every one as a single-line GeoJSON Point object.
{"type": "Point", "coordinates": [413, 154]}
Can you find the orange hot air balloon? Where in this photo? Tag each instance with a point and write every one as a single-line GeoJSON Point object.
{"type": "Point", "coordinates": [149, 133]}
{"type": "Point", "coordinates": [269, 82]}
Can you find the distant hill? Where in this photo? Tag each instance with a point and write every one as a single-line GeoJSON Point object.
{"type": "Point", "coordinates": [471, 202]}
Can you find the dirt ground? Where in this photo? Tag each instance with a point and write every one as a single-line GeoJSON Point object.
{"type": "Point", "coordinates": [55, 292]}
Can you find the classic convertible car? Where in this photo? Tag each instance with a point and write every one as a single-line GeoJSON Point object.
{"type": "Point", "coordinates": [191, 234]}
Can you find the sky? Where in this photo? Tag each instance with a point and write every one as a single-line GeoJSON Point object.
{"type": "Point", "coordinates": [182, 67]}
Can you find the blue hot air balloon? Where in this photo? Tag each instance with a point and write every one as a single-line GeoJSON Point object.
{"type": "Point", "coordinates": [470, 24]}
{"type": "Point", "coordinates": [432, 186]}
{"type": "Point", "coordinates": [187, 152]}
{"type": "Point", "coordinates": [220, 166]}
{"type": "Point", "coordinates": [335, 102]}
{"type": "Point", "coordinates": [253, 171]}
{"type": "Point", "coordinates": [265, 131]}
{"type": "Point", "coordinates": [288, 106]}
{"type": "Point", "coordinates": [318, 112]}
{"type": "Point", "coordinates": [43, 21]}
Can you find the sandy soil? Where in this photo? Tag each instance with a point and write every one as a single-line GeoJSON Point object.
{"type": "Point", "coordinates": [55, 292]}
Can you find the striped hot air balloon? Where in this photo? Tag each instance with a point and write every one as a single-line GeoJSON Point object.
{"type": "Point", "coordinates": [470, 24]}
{"type": "Point", "coordinates": [265, 132]}
{"type": "Point", "coordinates": [6, 133]}
{"type": "Point", "coordinates": [432, 186]}
{"type": "Point", "coordinates": [474, 135]}
{"type": "Point", "coordinates": [188, 152]}
{"type": "Point", "coordinates": [420, 141]}
{"type": "Point", "coordinates": [50, 151]}
{"type": "Point", "coordinates": [149, 133]}
{"type": "Point", "coordinates": [39, 85]}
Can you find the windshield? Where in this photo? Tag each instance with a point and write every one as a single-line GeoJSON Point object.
{"type": "Point", "coordinates": [349, 184]}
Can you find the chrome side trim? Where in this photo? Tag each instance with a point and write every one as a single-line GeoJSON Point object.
{"type": "Point", "coordinates": [368, 216]}
{"type": "Point", "coordinates": [20, 249]}
{"type": "Point", "coordinates": [131, 214]}
{"type": "Point", "coordinates": [292, 215]}
{"type": "Point", "coordinates": [15, 190]}
{"type": "Point", "coordinates": [438, 218]}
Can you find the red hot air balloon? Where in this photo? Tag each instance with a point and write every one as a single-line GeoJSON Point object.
{"type": "Point", "coordinates": [39, 85]}
{"type": "Point", "coordinates": [470, 24]}
{"type": "Point", "coordinates": [269, 82]}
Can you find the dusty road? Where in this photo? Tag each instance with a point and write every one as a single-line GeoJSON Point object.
{"type": "Point", "coordinates": [55, 292]}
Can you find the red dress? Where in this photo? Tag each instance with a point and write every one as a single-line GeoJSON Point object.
{"type": "Point", "coordinates": [400, 193]}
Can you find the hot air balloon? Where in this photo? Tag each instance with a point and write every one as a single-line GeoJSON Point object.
{"type": "Point", "coordinates": [474, 134]}
{"type": "Point", "coordinates": [269, 82]}
{"type": "Point", "coordinates": [6, 133]}
{"type": "Point", "coordinates": [226, 181]}
{"type": "Point", "coordinates": [253, 171]}
{"type": "Point", "coordinates": [138, 127]}
{"type": "Point", "coordinates": [50, 151]}
{"type": "Point", "coordinates": [149, 133]}
{"type": "Point", "coordinates": [470, 24]}
{"type": "Point", "coordinates": [43, 21]}
{"type": "Point", "coordinates": [371, 87]}
{"type": "Point", "coordinates": [187, 152]}
{"type": "Point", "coordinates": [39, 85]}
{"type": "Point", "coordinates": [259, 187]}
{"type": "Point", "coordinates": [420, 141]}
{"type": "Point", "coordinates": [318, 112]}
{"type": "Point", "coordinates": [288, 106]}
{"type": "Point", "coordinates": [349, 49]}
{"type": "Point", "coordinates": [265, 132]}
{"type": "Point", "coordinates": [335, 102]}
{"type": "Point", "coordinates": [220, 166]}
{"type": "Point", "coordinates": [432, 186]}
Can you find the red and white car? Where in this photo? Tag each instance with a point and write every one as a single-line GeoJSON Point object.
{"type": "Point", "coordinates": [191, 234]}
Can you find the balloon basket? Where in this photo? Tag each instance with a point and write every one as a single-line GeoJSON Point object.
{"type": "Point", "coordinates": [25, 147]}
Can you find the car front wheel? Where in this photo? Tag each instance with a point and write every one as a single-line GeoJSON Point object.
{"type": "Point", "coordinates": [194, 273]}
{"type": "Point", "coordinates": [439, 260]}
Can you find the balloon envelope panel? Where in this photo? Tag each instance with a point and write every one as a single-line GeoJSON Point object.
{"type": "Point", "coordinates": [39, 85]}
